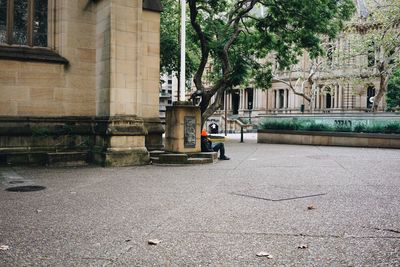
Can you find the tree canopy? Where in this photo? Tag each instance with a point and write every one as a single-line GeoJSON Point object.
{"type": "Point", "coordinates": [170, 44]}
{"type": "Point", "coordinates": [393, 92]}
{"type": "Point", "coordinates": [378, 39]}
{"type": "Point", "coordinates": [239, 39]}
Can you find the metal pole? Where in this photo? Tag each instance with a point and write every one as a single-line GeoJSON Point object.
{"type": "Point", "coordinates": [226, 112]}
{"type": "Point", "coordinates": [183, 51]}
{"type": "Point", "coordinates": [241, 134]}
{"type": "Point", "coordinates": [249, 116]}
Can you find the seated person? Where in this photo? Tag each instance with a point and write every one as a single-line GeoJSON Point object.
{"type": "Point", "coordinates": [208, 146]}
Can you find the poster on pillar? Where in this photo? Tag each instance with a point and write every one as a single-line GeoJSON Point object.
{"type": "Point", "coordinates": [190, 132]}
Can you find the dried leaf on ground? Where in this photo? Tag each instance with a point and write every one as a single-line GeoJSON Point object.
{"type": "Point", "coordinates": [303, 246]}
{"type": "Point", "coordinates": [311, 207]}
{"type": "Point", "coordinates": [4, 247]}
{"type": "Point", "coordinates": [264, 254]}
{"type": "Point", "coordinates": [154, 242]}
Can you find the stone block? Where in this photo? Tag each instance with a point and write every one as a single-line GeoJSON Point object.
{"type": "Point", "coordinates": [68, 158]}
{"type": "Point", "coordinates": [173, 159]}
{"type": "Point", "coordinates": [131, 157]}
{"type": "Point", "coordinates": [42, 93]}
{"type": "Point", "coordinates": [183, 127]}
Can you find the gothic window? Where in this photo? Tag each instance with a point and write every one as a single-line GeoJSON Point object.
{"type": "Point", "coordinates": [23, 22]}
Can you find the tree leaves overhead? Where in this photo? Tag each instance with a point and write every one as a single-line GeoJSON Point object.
{"type": "Point", "coordinates": [393, 92]}
{"type": "Point", "coordinates": [376, 36]}
{"type": "Point", "coordinates": [170, 41]}
{"type": "Point", "coordinates": [237, 38]}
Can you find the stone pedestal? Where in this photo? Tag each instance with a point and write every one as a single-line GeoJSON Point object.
{"type": "Point", "coordinates": [121, 142]}
{"type": "Point", "coordinates": [183, 128]}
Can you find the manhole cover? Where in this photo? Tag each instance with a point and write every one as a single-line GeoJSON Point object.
{"type": "Point", "coordinates": [27, 188]}
{"type": "Point", "coordinates": [16, 182]}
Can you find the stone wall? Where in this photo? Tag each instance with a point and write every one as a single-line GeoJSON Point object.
{"type": "Point", "coordinates": [43, 89]}
{"type": "Point", "coordinates": [107, 68]}
{"type": "Point", "coordinates": [328, 138]}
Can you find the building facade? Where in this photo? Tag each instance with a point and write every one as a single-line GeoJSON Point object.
{"type": "Point", "coordinates": [79, 76]}
{"type": "Point", "coordinates": [168, 93]}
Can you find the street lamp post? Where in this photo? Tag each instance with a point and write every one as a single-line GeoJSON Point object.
{"type": "Point", "coordinates": [183, 52]}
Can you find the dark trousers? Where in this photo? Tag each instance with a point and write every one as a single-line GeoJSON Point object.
{"type": "Point", "coordinates": [220, 147]}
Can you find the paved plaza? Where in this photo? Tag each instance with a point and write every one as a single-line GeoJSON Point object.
{"type": "Point", "coordinates": [302, 205]}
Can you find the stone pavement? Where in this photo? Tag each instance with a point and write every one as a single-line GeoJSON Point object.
{"type": "Point", "coordinates": [343, 204]}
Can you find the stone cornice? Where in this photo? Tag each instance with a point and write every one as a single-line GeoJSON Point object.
{"type": "Point", "coordinates": [31, 54]}
{"type": "Point", "coordinates": [152, 5]}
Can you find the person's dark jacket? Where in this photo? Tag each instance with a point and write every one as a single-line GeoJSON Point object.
{"type": "Point", "coordinates": [206, 145]}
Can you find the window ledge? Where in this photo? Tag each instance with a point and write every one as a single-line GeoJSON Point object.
{"type": "Point", "coordinates": [31, 54]}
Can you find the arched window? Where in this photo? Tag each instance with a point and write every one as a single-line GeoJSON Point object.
{"type": "Point", "coordinates": [370, 95]}
{"type": "Point", "coordinates": [328, 100]}
{"type": "Point", "coordinates": [23, 22]}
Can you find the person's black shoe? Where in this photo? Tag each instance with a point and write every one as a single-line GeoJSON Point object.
{"type": "Point", "coordinates": [224, 158]}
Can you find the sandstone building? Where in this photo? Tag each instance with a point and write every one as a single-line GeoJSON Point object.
{"type": "Point", "coordinates": [79, 79]}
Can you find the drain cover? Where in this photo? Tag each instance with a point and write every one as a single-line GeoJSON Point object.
{"type": "Point", "coordinates": [16, 182]}
{"type": "Point", "coordinates": [27, 188]}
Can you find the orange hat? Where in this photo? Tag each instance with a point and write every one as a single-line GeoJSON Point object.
{"type": "Point", "coordinates": [204, 133]}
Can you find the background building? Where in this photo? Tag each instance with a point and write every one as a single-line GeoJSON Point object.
{"type": "Point", "coordinates": [168, 93]}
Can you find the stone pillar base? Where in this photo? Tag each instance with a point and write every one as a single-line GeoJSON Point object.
{"type": "Point", "coordinates": [109, 141]}
{"type": "Point", "coordinates": [122, 158]}
{"type": "Point", "coordinates": [121, 142]}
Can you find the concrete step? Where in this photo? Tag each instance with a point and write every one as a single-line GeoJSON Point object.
{"type": "Point", "coordinates": [200, 160]}
{"type": "Point", "coordinates": [161, 157]}
{"type": "Point", "coordinates": [67, 158]}
{"type": "Point", "coordinates": [154, 160]}
{"type": "Point", "coordinates": [208, 155]}
{"type": "Point", "coordinates": [169, 158]}
{"type": "Point", "coordinates": [156, 153]}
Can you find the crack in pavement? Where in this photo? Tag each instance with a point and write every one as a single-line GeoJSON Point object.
{"type": "Point", "coordinates": [276, 200]}
{"type": "Point", "coordinates": [287, 235]}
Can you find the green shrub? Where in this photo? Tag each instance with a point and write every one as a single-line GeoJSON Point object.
{"type": "Point", "coordinates": [40, 131]}
{"type": "Point", "coordinates": [343, 128]}
{"type": "Point", "coordinates": [306, 125]}
{"type": "Point", "coordinates": [313, 126]}
{"type": "Point", "coordinates": [359, 128]}
{"type": "Point", "coordinates": [393, 127]}
{"type": "Point", "coordinates": [375, 128]}
{"type": "Point", "coordinates": [280, 125]}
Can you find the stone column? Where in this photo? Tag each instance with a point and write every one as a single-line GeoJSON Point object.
{"type": "Point", "coordinates": [150, 69]}
{"type": "Point", "coordinates": [127, 71]}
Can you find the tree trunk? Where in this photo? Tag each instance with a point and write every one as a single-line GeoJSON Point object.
{"type": "Point", "coordinates": [384, 78]}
